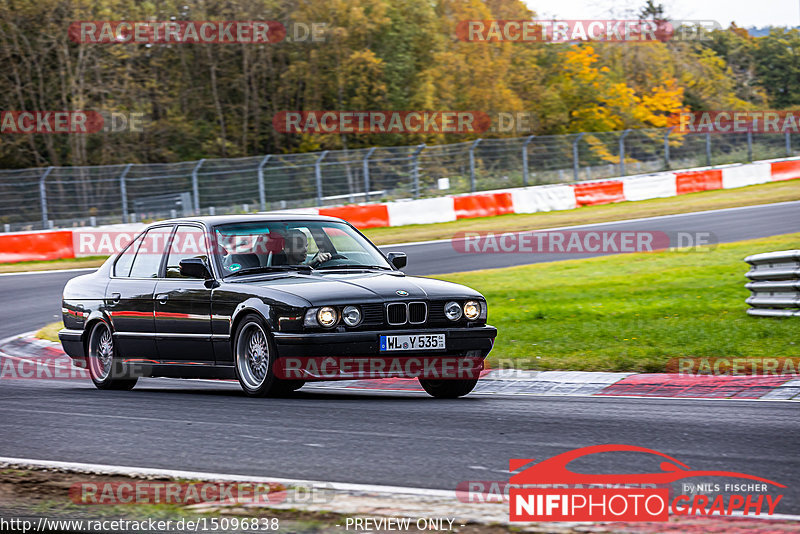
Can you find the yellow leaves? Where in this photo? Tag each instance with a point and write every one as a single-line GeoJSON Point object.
{"type": "Point", "coordinates": [601, 97]}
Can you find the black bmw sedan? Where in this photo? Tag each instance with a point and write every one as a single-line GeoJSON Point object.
{"type": "Point", "coordinates": [274, 301]}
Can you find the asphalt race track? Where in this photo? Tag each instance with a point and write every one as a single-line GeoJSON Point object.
{"type": "Point", "coordinates": [399, 439]}
{"type": "Point", "coordinates": [389, 438]}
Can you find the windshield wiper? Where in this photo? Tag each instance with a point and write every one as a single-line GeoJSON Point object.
{"type": "Point", "coordinates": [353, 266]}
{"type": "Point", "coordinates": [271, 268]}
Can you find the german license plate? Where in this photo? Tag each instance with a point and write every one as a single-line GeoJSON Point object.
{"type": "Point", "coordinates": [412, 342]}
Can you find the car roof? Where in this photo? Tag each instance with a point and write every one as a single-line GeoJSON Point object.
{"type": "Point", "coordinates": [279, 216]}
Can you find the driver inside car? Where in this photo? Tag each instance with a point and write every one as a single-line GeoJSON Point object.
{"type": "Point", "coordinates": [295, 251]}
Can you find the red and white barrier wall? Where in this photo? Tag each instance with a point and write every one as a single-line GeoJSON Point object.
{"type": "Point", "coordinates": [46, 245]}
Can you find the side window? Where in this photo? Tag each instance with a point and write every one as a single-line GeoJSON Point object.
{"type": "Point", "coordinates": [189, 242]}
{"type": "Point", "coordinates": [122, 267]}
{"type": "Point", "coordinates": [148, 257]}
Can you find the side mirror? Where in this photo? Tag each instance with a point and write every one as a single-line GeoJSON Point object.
{"type": "Point", "coordinates": [195, 268]}
{"type": "Point", "coordinates": [398, 259]}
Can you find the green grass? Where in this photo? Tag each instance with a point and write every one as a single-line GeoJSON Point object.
{"type": "Point", "coordinates": [50, 332]}
{"type": "Point", "coordinates": [631, 312]}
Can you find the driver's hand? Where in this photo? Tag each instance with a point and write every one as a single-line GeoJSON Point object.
{"type": "Point", "coordinates": [322, 258]}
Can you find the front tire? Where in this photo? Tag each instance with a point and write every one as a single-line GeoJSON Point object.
{"type": "Point", "coordinates": [105, 369]}
{"type": "Point", "coordinates": [254, 358]}
{"type": "Point", "coordinates": [448, 389]}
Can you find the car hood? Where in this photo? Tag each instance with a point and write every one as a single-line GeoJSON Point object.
{"type": "Point", "coordinates": [340, 288]}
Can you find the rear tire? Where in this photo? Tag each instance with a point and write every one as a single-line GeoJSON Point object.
{"type": "Point", "coordinates": [448, 389]}
{"type": "Point", "coordinates": [254, 359]}
{"type": "Point", "coordinates": [105, 368]}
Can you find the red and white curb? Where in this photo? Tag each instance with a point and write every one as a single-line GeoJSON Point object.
{"type": "Point", "coordinates": [55, 364]}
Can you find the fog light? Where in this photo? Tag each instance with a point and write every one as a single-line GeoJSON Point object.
{"type": "Point", "coordinates": [452, 310]}
{"type": "Point", "coordinates": [327, 316]}
{"type": "Point", "coordinates": [351, 315]}
{"type": "Point", "coordinates": [472, 310]}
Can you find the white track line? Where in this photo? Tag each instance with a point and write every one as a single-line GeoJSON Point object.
{"type": "Point", "coordinates": [202, 475]}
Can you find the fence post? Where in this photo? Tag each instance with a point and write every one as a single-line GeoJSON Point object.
{"type": "Point", "coordinates": [788, 144]}
{"type": "Point", "coordinates": [666, 147]}
{"type": "Point", "coordinates": [196, 187]}
{"type": "Point", "coordinates": [575, 162]}
{"type": "Point", "coordinates": [622, 152]}
{"type": "Point", "coordinates": [415, 169]}
{"type": "Point", "coordinates": [749, 146]}
{"type": "Point", "coordinates": [262, 192]}
{"type": "Point", "coordinates": [472, 164]}
{"type": "Point", "coordinates": [318, 174]}
{"type": "Point", "coordinates": [708, 149]}
{"type": "Point", "coordinates": [366, 173]}
{"type": "Point", "coordinates": [43, 196]}
{"type": "Point", "coordinates": [525, 159]}
{"type": "Point", "coordinates": [123, 191]}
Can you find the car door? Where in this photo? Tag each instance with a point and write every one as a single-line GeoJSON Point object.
{"type": "Point", "coordinates": [183, 304]}
{"type": "Point", "coordinates": [129, 295]}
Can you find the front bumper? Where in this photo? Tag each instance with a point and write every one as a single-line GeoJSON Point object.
{"type": "Point", "coordinates": [366, 343]}
{"type": "Point", "coordinates": [350, 355]}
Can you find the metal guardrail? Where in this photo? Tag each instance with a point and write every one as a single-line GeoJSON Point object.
{"type": "Point", "coordinates": [775, 284]}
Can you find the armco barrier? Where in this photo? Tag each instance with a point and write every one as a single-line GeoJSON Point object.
{"type": "Point", "coordinates": [744, 175]}
{"type": "Point", "coordinates": [36, 246]}
{"type": "Point", "coordinates": [605, 192]}
{"type": "Point", "coordinates": [785, 170]}
{"type": "Point", "coordinates": [362, 216]}
{"type": "Point", "coordinates": [775, 284]}
{"type": "Point", "coordinates": [52, 245]}
{"type": "Point", "coordinates": [483, 205]}
{"type": "Point", "coordinates": [543, 198]}
{"type": "Point", "coordinates": [645, 187]}
{"type": "Point", "coordinates": [694, 181]}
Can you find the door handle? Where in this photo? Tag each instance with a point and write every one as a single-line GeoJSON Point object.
{"type": "Point", "coordinates": [115, 297]}
{"type": "Point", "coordinates": [162, 299]}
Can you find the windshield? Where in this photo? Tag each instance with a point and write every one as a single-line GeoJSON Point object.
{"type": "Point", "coordinates": [271, 246]}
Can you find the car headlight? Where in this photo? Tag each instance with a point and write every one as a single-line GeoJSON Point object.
{"type": "Point", "coordinates": [327, 316]}
{"type": "Point", "coordinates": [472, 310]}
{"type": "Point", "coordinates": [452, 310]}
{"type": "Point", "coordinates": [351, 315]}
